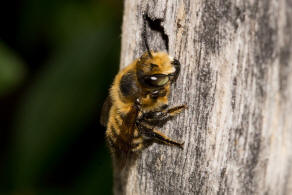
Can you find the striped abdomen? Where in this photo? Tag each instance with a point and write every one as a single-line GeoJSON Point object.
{"type": "Point", "coordinates": [122, 136]}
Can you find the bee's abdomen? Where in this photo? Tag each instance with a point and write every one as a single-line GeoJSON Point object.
{"type": "Point", "coordinates": [119, 138]}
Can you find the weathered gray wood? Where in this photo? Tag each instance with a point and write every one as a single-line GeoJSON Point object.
{"type": "Point", "coordinates": [236, 78]}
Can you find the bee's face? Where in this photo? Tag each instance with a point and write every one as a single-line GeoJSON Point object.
{"type": "Point", "coordinates": [157, 71]}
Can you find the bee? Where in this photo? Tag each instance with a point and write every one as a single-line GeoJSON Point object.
{"type": "Point", "coordinates": [138, 103]}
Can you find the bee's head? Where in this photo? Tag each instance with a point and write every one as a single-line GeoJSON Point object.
{"type": "Point", "coordinates": [157, 70]}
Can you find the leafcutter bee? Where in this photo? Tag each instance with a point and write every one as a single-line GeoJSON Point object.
{"type": "Point", "coordinates": [138, 102]}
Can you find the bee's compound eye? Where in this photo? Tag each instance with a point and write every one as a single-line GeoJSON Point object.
{"type": "Point", "coordinates": [157, 80]}
{"type": "Point", "coordinates": [162, 81]}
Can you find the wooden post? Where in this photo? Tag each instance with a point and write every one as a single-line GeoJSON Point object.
{"type": "Point", "coordinates": [236, 78]}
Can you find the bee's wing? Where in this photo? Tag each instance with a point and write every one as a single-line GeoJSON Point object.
{"type": "Point", "coordinates": [129, 121]}
{"type": "Point", "coordinates": [105, 111]}
{"type": "Point", "coordinates": [128, 127]}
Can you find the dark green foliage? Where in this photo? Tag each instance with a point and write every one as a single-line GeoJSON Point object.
{"type": "Point", "coordinates": [51, 96]}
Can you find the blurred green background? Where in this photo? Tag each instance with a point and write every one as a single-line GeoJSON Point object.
{"type": "Point", "coordinates": [57, 61]}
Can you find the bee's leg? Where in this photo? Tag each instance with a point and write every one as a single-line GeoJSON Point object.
{"type": "Point", "coordinates": [164, 114]}
{"type": "Point", "coordinates": [159, 118]}
{"type": "Point", "coordinates": [176, 110]}
{"type": "Point", "coordinates": [152, 133]}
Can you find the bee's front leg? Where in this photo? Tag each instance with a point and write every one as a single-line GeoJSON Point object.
{"type": "Point", "coordinates": [153, 134]}
{"type": "Point", "coordinates": [159, 118]}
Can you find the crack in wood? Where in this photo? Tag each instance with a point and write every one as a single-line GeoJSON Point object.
{"type": "Point", "coordinates": [156, 25]}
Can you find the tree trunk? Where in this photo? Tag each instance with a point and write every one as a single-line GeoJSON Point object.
{"type": "Point", "coordinates": [236, 78]}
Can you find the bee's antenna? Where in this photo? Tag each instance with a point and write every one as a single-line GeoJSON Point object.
{"type": "Point", "coordinates": [144, 35]}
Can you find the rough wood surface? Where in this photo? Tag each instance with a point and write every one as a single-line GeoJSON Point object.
{"type": "Point", "coordinates": [236, 78]}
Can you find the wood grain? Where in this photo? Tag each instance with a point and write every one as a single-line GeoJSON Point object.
{"type": "Point", "coordinates": [236, 78]}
